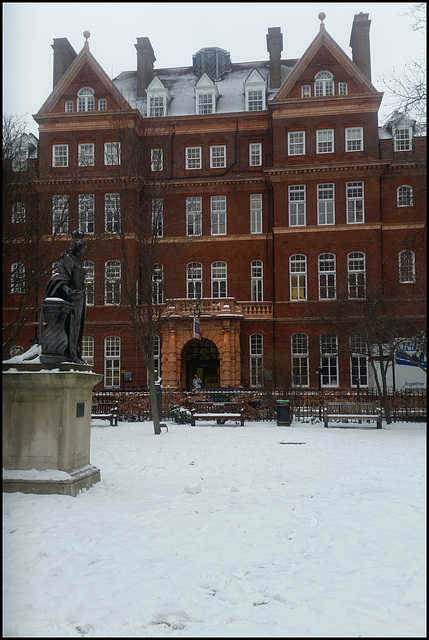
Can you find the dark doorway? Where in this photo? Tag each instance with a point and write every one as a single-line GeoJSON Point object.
{"type": "Point", "coordinates": [202, 358]}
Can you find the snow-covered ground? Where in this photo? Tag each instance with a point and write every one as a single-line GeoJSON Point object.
{"type": "Point", "coordinates": [226, 531]}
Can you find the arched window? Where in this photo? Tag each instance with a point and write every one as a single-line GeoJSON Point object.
{"type": "Point", "coordinates": [256, 281]}
{"type": "Point", "coordinates": [194, 280]}
{"type": "Point", "coordinates": [356, 275]}
{"type": "Point", "coordinates": [407, 266]}
{"type": "Point", "coordinates": [324, 84]}
{"type": "Point", "coordinates": [327, 276]}
{"type": "Point", "coordinates": [85, 99]}
{"type": "Point", "coordinates": [219, 280]}
{"type": "Point", "coordinates": [404, 196]}
{"type": "Point", "coordinates": [256, 353]}
{"type": "Point", "coordinates": [298, 277]}
{"type": "Point", "coordinates": [299, 359]}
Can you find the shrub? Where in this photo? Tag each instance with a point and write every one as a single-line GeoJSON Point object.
{"type": "Point", "coordinates": [180, 415]}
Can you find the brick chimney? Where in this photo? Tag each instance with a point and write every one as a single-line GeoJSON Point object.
{"type": "Point", "coordinates": [359, 42]}
{"type": "Point", "coordinates": [275, 48]}
{"type": "Point", "coordinates": [145, 60]}
{"type": "Point", "coordinates": [64, 54]}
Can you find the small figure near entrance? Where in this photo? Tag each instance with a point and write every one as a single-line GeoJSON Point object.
{"type": "Point", "coordinates": [196, 382]}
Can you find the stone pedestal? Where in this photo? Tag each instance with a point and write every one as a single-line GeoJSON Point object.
{"type": "Point", "coordinates": [47, 428]}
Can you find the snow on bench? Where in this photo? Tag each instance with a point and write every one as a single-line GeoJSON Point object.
{"type": "Point", "coordinates": [105, 411]}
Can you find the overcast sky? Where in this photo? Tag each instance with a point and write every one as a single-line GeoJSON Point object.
{"type": "Point", "coordinates": [178, 30]}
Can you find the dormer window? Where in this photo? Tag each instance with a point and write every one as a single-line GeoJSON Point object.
{"type": "Point", "coordinates": [254, 91]}
{"type": "Point", "coordinates": [85, 99]}
{"type": "Point", "coordinates": [205, 93]}
{"type": "Point", "coordinates": [402, 137]}
{"type": "Point", "coordinates": [157, 99]}
{"type": "Point", "coordinates": [324, 84]}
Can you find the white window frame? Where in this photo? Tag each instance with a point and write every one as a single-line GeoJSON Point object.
{"type": "Point", "coordinates": [88, 350]}
{"type": "Point", "coordinates": [60, 214]}
{"type": "Point", "coordinates": [297, 205]}
{"type": "Point", "coordinates": [255, 154]}
{"type": "Point", "coordinates": [102, 104]}
{"type": "Point", "coordinates": [256, 281]}
{"type": "Point", "coordinates": [306, 91]}
{"type": "Point", "coordinates": [158, 284]}
{"type": "Point", "coordinates": [255, 98]}
{"type": "Point", "coordinates": [255, 213]}
{"type": "Point", "coordinates": [299, 360]}
{"type": "Point", "coordinates": [18, 212]}
{"type": "Point", "coordinates": [358, 361]}
{"type": "Point", "coordinates": [355, 202]}
{"type": "Point", "coordinates": [342, 89]}
{"type": "Point", "coordinates": [157, 209]}
{"type": "Point", "coordinates": [219, 279]}
{"type": "Point", "coordinates": [194, 280]}
{"type": "Point", "coordinates": [256, 354]}
{"type": "Point", "coordinates": [112, 362]}
{"type": "Point", "coordinates": [356, 275]}
{"type": "Point", "coordinates": [17, 278]}
{"type": "Point", "coordinates": [354, 139]}
{"type": "Point", "coordinates": [86, 154]}
{"type": "Point", "coordinates": [218, 215]}
{"type": "Point", "coordinates": [403, 139]}
{"type": "Point", "coordinates": [68, 106]}
{"type": "Point", "coordinates": [89, 268]}
{"type": "Point", "coordinates": [60, 155]}
{"type": "Point", "coordinates": [323, 84]}
{"type": "Point", "coordinates": [206, 102]}
{"type": "Point", "coordinates": [156, 159]}
{"type": "Point", "coordinates": [327, 276]}
{"type": "Point", "coordinates": [329, 359]}
{"type": "Point", "coordinates": [85, 99]}
{"type": "Point", "coordinates": [112, 283]}
{"type": "Point", "coordinates": [194, 215]}
{"type": "Point", "coordinates": [326, 203]}
{"type": "Point", "coordinates": [193, 158]}
{"type": "Point", "coordinates": [112, 153]}
{"type": "Point", "coordinates": [112, 212]}
{"type": "Point", "coordinates": [404, 196]}
{"type": "Point", "coordinates": [298, 277]}
{"type": "Point", "coordinates": [324, 141]}
{"type": "Point", "coordinates": [218, 156]}
{"type": "Point", "coordinates": [407, 266]}
{"type": "Point", "coordinates": [296, 143]}
{"type": "Point", "coordinates": [86, 205]}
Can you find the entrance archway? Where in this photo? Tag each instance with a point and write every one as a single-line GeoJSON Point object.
{"type": "Point", "coordinates": [202, 358]}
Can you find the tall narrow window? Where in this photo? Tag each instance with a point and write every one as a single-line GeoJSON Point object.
{"type": "Point", "coordinates": [158, 284]}
{"type": "Point", "coordinates": [194, 215]}
{"type": "Point", "coordinates": [18, 212]}
{"type": "Point", "coordinates": [112, 361]}
{"type": "Point", "coordinates": [325, 141]}
{"type": "Point", "coordinates": [324, 84]}
{"type": "Point", "coordinates": [296, 143]}
{"type": "Point", "coordinates": [356, 275]}
{"type": "Point", "coordinates": [194, 280]}
{"type": "Point", "coordinates": [102, 104]}
{"type": "Point", "coordinates": [156, 160]}
{"type": "Point", "coordinates": [256, 213]}
{"type": "Point", "coordinates": [218, 215]}
{"type": "Point", "coordinates": [157, 106]}
{"type": "Point", "coordinates": [327, 277]}
{"type": "Point", "coordinates": [407, 266]}
{"type": "Point", "coordinates": [299, 351]}
{"type": "Point", "coordinates": [402, 137]}
{"type": "Point", "coordinates": [193, 157]}
{"type": "Point", "coordinates": [297, 205]}
{"type": "Point", "coordinates": [85, 99]}
{"type": "Point", "coordinates": [218, 156]}
{"type": "Point", "coordinates": [112, 153]}
{"type": "Point", "coordinates": [17, 277]}
{"type": "Point", "coordinates": [355, 202]}
{"type": "Point", "coordinates": [89, 268]}
{"type": "Point", "coordinates": [342, 88]}
{"type": "Point", "coordinates": [329, 359]}
{"type": "Point", "coordinates": [157, 355]}
{"type": "Point", "coordinates": [255, 100]}
{"type": "Point", "coordinates": [326, 203]}
{"type": "Point", "coordinates": [86, 212]}
{"type": "Point", "coordinates": [112, 212]}
{"type": "Point", "coordinates": [298, 277]}
{"type": "Point", "coordinates": [88, 350]}
{"type": "Point", "coordinates": [60, 214]}
{"type": "Point", "coordinates": [86, 155]}
{"type": "Point", "coordinates": [404, 196]}
{"type": "Point", "coordinates": [219, 281]}
{"type": "Point", "coordinates": [256, 281]}
{"type": "Point", "coordinates": [358, 361]}
{"type": "Point", "coordinates": [205, 102]}
{"type": "Point", "coordinates": [157, 217]}
{"type": "Point", "coordinates": [255, 154]}
{"type": "Point", "coordinates": [112, 278]}
{"type": "Point", "coordinates": [354, 139]}
{"type": "Point", "coordinates": [256, 363]}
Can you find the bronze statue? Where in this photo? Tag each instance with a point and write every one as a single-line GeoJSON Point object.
{"type": "Point", "coordinates": [63, 310]}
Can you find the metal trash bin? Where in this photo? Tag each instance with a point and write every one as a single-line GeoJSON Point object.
{"type": "Point", "coordinates": [283, 413]}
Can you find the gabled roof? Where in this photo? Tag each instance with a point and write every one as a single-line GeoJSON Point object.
{"type": "Point", "coordinates": [84, 57]}
{"type": "Point", "coordinates": [323, 39]}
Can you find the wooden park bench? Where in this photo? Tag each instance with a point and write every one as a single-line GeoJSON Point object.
{"type": "Point", "coordinates": [218, 412]}
{"type": "Point", "coordinates": [361, 411]}
{"type": "Point", "coordinates": [105, 411]}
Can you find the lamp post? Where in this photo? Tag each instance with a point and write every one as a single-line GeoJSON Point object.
{"type": "Point", "coordinates": [319, 373]}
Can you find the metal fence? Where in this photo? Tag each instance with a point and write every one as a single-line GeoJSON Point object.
{"type": "Point", "coordinates": [306, 406]}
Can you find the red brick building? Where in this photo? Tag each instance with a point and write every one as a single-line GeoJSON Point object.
{"type": "Point", "coordinates": [283, 213]}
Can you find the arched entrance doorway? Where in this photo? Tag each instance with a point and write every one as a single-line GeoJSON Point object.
{"type": "Point", "coordinates": [202, 358]}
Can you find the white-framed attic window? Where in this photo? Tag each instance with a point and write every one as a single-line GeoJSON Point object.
{"type": "Point", "coordinates": [158, 98]}
{"type": "Point", "coordinates": [206, 94]}
{"type": "Point", "coordinates": [255, 92]}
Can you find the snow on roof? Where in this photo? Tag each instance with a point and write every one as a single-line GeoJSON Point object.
{"type": "Point", "coordinates": [181, 83]}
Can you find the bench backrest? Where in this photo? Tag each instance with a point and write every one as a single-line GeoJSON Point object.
{"type": "Point", "coordinates": [217, 407]}
{"type": "Point", "coordinates": [351, 407]}
{"type": "Point", "coordinates": [105, 407]}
